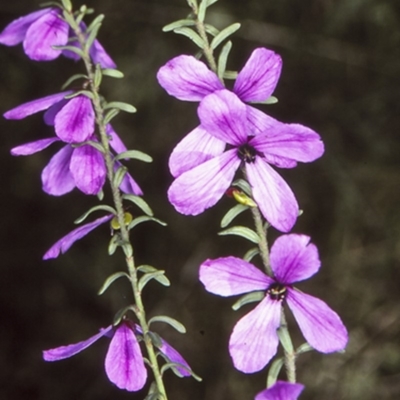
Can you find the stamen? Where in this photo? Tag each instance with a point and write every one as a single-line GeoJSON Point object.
{"type": "Point", "coordinates": [277, 291]}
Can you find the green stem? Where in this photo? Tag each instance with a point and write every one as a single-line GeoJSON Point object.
{"type": "Point", "coordinates": [289, 352]}
{"type": "Point", "coordinates": [117, 199]}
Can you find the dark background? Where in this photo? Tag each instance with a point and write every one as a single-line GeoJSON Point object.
{"type": "Point", "coordinates": [340, 77]}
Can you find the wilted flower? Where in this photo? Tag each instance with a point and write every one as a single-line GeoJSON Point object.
{"type": "Point", "coordinates": [254, 339]}
{"type": "Point", "coordinates": [124, 363]}
{"type": "Point", "coordinates": [187, 78]}
{"type": "Point", "coordinates": [281, 391]}
{"type": "Point", "coordinates": [225, 117]}
{"type": "Point", "coordinates": [41, 30]}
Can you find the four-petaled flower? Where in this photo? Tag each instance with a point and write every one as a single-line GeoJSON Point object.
{"type": "Point", "coordinates": [41, 30]}
{"type": "Point", "coordinates": [124, 363]}
{"type": "Point", "coordinates": [281, 391]}
{"type": "Point", "coordinates": [224, 115]}
{"type": "Point", "coordinates": [254, 339]}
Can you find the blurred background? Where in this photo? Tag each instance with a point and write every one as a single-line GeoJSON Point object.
{"type": "Point", "coordinates": [340, 76]}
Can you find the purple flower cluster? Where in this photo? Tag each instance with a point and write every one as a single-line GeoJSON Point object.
{"type": "Point", "coordinates": [281, 391]}
{"type": "Point", "coordinates": [41, 30]}
{"type": "Point", "coordinates": [124, 363]}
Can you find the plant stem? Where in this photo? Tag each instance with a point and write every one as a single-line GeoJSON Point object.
{"type": "Point", "coordinates": [117, 199]}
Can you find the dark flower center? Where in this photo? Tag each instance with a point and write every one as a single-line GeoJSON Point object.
{"type": "Point", "coordinates": [277, 291]}
{"type": "Point", "coordinates": [247, 153]}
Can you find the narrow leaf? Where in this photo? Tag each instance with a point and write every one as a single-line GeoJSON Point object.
{"type": "Point", "coordinates": [103, 207]}
{"type": "Point", "coordinates": [225, 33]}
{"type": "Point", "coordinates": [67, 5]}
{"type": "Point", "coordinates": [113, 245]}
{"type": "Point", "coordinates": [248, 298]}
{"type": "Point", "coordinates": [119, 105]}
{"type": "Point", "coordinates": [98, 76]}
{"type": "Point", "coordinates": [285, 339]}
{"type": "Point", "coordinates": [79, 93]}
{"type": "Point", "coordinates": [98, 20]}
{"type": "Point", "coordinates": [230, 75]}
{"type": "Point", "coordinates": [149, 276]}
{"type": "Point", "coordinates": [112, 278]}
{"type": "Point", "coordinates": [138, 201]}
{"type": "Point", "coordinates": [73, 78]}
{"type": "Point", "coordinates": [170, 321]}
{"type": "Point", "coordinates": [232, 214]}
{"type": "Point", "coordinates": [242, 231]}
{"type": "Point", "coordinates": [113, 73]}
{"type": "Point", "coordinates": [121, 313]}
{"type": "Point", "coordinates": [179, 24]}
{"type": "Point", "coordinates": [242, 184]}
{"type": "Point", "coordinates": [274, 370]}
{"type": "Point", "coordinates": [119, 175]}
{"type": "Point", "coordinates": [212, 30]}
{"type": "Point", "coordinates": [251, 253]}
{"type": "Point", "coordinates": [304, 348]}
{"type": "Point", "coordinates": [144, 218]}
{"type": "Point", "coordinates": [74, 49]}
{"type": "Point", "coordinates": [110, 115]}
{"type": "Point", "coordinates": [192, 35]}
{"type": "Point", "coordinates": [134, 154]}
{"type": "Point", "coordinates": [223, 58]}
{"type": "Point", "coordinates": [202, 10]}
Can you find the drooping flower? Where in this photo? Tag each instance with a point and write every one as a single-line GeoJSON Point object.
{"type": "Point", "coordinates": [224, 116]}
{"type": "Point", "coordinates": [124, 363]}
{"type": "Point", "coordinates": [41, 30]}
{"type": "Point", "coordinates": [281, 391]}
{"type": "Point", "coordinates": [189, 79]}
{"type": "Point", "coordinates": [254, 339]}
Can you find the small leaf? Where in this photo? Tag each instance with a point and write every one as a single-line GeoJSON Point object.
{"type": "Point", "coordinates": [285, 339]}
{"type": "Point", "coordinates": [113, 73]}
{"type": "Point", "coordinates": [134, 154]}
{"type": "Point", "coordinates": [74, 49]}
{"type": "Point", "coordinates": [155, 338]}
{"type": "Point", "coordinates": [251, 253]}
{"type": "Point", "coordinates": [112, 278]}
{"type": "Point", "coordinates": [98, 146]}
{"type": "Point", "coordinates": [98, 20]}
{"type": "Point", "coordinates": [270, 100]}
{"type": "Point", "coordinates": [79, 93]}
{"type": "Point", "coordinates": [67, 5]}
{"type": "Point", "coordinates": [110, 115]}
{"type": "Point", "coordinates": [154, 396]}
{"type": "Point", "coordinates": [138, 201]}
{"type": "Point", "coordinates": [69, 18]}
{"type": "Point", "coordinates": [223, 58]}
{"type": "Point", "coordinates": [232, 214]}
{"type": "Point", "coordinates": [274, 370]}
{"type": "Point", "coordinates": [119, 176]}
{"type": "Point", "coordinates": [73, 78]}
{"type": "Point", "coordinates": [144, 218]}
{"type": "Point", "coordinates": [224, 34]}
{"type": "Point", "coordinates": [242, 184]}
{"type": "Point", "coordinates": [121, 314]}
{"type": "Point", "coordinates": [242, 231]}
{"type": "Point", "coordinates": [248, 298]}
{"type": "Point", "coordinates": [149, 276]}
{"type": "Point", "coordinates": [304, 348]}
{"type": "Point", "coordinates": [146, 268]}
{"type": "Point", "coordinates": [212, 30]}
{"type": "Point", "coordinates": [178, 24]}
{"type": "Point", "coordinates": [100, 195]}
{"type": "Point", "coordinates": [127, 249]}
{"type": "Point", "coordinates": [119, 105]}
{"type": "Point", "coordinates": [230, 75]}
{"type": "Point", "coordinates": [191, 34]}
{"type": "Point", "coordinates": [98, 76]}
{"type": "Point", "coordinates": [170, 321]}
{"type": "Point", "coordinates": [202, 11]}
{"type": "Point", "coordinates": [93, 33]}
{"type": "Point", "coordinates": [113, 245]}
{"type": "Point", "coordinates": [103, 207]}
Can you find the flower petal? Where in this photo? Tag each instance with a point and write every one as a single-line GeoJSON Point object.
{"type": "Point", "coordinates": [100, 56]}
{"type": "Point", "coordinates": [293, 258]}
{"type": "Point", "coordinates": [50, 115]}
{"type": "Point", "coordinates": [56, 177]}
{"type": "Point", "coordinates": [59, 353]}
{"type": "Point", "coordinates": [62, 245]}
{"type": "Point", "coordinates": [194, 149]}
{"type": "Point", "coordinates": [175, 357]}
{"type": "Point", "coordinates": [281, 391]}
{"type": "Point", "coordinates": [187, 78]}
{"type": "Point", "coordinates": [273, 195]}
{"type": "Point", "coordinates": [35, 106]}
{"type": "Point", "coordinates": [124, 361]}
{"type": "Point", "coordinates": [115, 141]}
{"type": "Point", "coordinates": [259, 77]}
{"type": "Point", "coordinates": [320, 325]}
{"type": "Point", "coordinates": [88, 168]}
{"type": "Point", "coordinates": [290, 141]}
{"type": "Point", "coordinates": [229, 276]}
{"type": "Point", "coordinates": [254, 339]}
{"type": "Point", "coordinates": [224, 116]}
{"type": "Point", "coordinates": [33, 147]}
{"type": "Point", "coordinates": [47, 31]}
{"type": "Point", "coordinates": [200, 188]}
{"type": "Point", "coordinates": [15, 32]}
{"type": "Point", "coordinates": [75, 121]}
{"type": "Point", "coordinates": [129, 186]}
{"type": "Point", "coordinates": [259, 122]}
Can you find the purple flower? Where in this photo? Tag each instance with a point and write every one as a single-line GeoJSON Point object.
{"type": "Point", "coordinates": [224, 116]}
{"type": "Point", "coordinates": [41, 30]}
{"type": "Point", "coordinates": [124, 363]}
{"type": "Point", "coordinates": [254, 339]}
{"type": "Point", "coordinates": [281, 391]}
{"type": "Point", "coordinates": [187, 78]}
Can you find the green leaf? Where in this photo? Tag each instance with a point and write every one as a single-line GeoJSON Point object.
{"type": "Point", "coordinates": [248, 298]}
{"type": "Point", "coordinates": [192, 35]}
{"type": "Point", "coordinates": [224, 34]}
{"type": "Point", "coordinates": [232, 214]}
{"type": "Point", "coordinates": [158, 276]}
{"type": "Point", "coordinates": [193, 4]}
{"type": "Point", "coordinates": [251, 253]}
{"type": "Point", "coordinates": [202, 11]}
{"type": "Point", "coordinates": [223, 58]}
{"type": "Point", "coordinates": [98, 146]}
{"type": "Point", "coordinates": [98, 76]}
{"type": "Point", "coordinates": [304, 348]}
{"type": "Point", "coordinates": [242, 184]}
{"type": "Point", "coordinates": [230, 75]}
{"type": "Point", "coordinates": [270, 100]}
{"type": "Point", "coordinates": [285, 339]}
{"type": "Point", "coordinates": [100, 195]}
{"type": "Point", "coordinates": [154, 396]}
{"type": "Point", "coordinates": [74, 49]}
{"type": "Point", "coordinates": [70, 19]}
{"type": "Point", "coordinates": [92, 36]}
{"type": "Point", "coordinates": [110, 115]}
{"type": "Point", "coordinates": [161, 278]}
{"type": "Point", "coordinates": [119, 105]}
{"type": "Point", "coordinates": [121, 313]}
{"type": "Point", "coordinates": [179, 24]}
{"type": "Point", "coordinates": [146, 268]}
{"type": "Point", "coordinates": [212, 30]}
{"type": "Point", "coordinates": [170, 321]}
{"type": "Point", "coordinates": [155, 338]}
{"type": "Point", "coordinates": [98, 20]}
{"type": "Point", "coordinates": [67, 5]}
{"type": "Point", "coordinates": [119, 176]}
{"type": "Point", "coordinates": [113, 73]}
{"type": "Point", "coordinates": [144, 218]}
{"type": "Point", "coordinates": [112, 278]}
{"type": "Point", "coordinates": [274, 370]}
{"type": "Point", "coordinates": [73, 78]}
{"type": "Point", "coordinates": [113, 244]}
{"type": "Point", "coordinates": [134, 154]}
{"type": "Point", "coordinates": [79, 93]}
{"type": "Point", "coordinates": [138, 201]}
{"type": "Point", "coordinates": [103, 207]}
{"type": "Point", "coordinates": [242, 231]}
